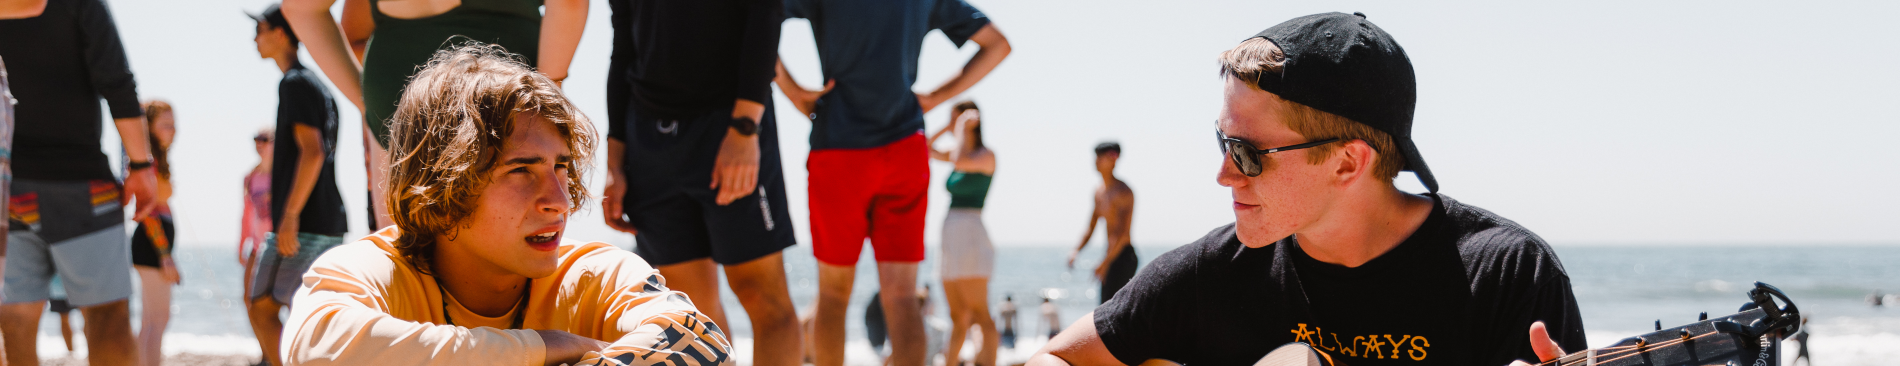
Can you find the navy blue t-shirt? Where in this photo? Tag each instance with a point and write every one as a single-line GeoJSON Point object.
{"type": "Point", "coordinates": [870, 47]}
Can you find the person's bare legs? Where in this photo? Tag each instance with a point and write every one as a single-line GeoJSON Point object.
{"type": "Point", "coordinates": [834, 298]}
{"type": "Point", "coordinates": [898, 281]}
{"type": "Point", "coordinates": [699, 279]}
{"type": "Point", "coordinates": [969, 298]}
{"type": "Point", "coordinates": [760, 286]}
{"type": "Point", "coordinates": [108, 331]}
{"type": "Point", "coordinates": [267, 327]}
{"type": "Point", "coordinates": [156, 294]}
{"type": "Point", "coordinates": [20, 328]}
{"type": "Point", "coordinates": [66, 329]}
{"type": "Point", "coordinates": [959, 323]}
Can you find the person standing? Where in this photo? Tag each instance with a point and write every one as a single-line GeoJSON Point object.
{"type": "Point", "coordinates": [152, 240]}
{"type": "Point", "coordinates": [968, 257]}
{"type": "Point", "coordinates": [63, 57]}
{"type": "Point", "coordinates": [693, 156]}
{"type": "Point", "coordinates": [255, 221]}
{"type": "Point", "coordinates": [406, 34]}
{"type": "Point", "coordinates": [869, 168]}
{"type": "Point", "coordinates": [306, 209]}
{"type": "Point", "coordinates": [1007, 311]}
{"type": "Point", "coordinates": [1114, 204]}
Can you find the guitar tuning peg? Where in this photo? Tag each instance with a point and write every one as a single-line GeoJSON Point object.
{"type": "Point", "coordinates": [1705, 316]}
{"type": "Point", "coordinates": [1684, 333]}
{"type": "Point", "coordinates": [1658, 324]}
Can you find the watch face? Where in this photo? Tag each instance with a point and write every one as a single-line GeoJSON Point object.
{"type": "Point", "coordinates": [745, 125]}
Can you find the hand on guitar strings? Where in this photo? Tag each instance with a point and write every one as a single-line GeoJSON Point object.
{"type": "Point", "coordinates": [1547, 350]}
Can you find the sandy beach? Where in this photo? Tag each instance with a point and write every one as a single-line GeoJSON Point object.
{"type": "Point", "coordinates": [177, 359]}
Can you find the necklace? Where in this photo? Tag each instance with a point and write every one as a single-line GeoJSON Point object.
{"type": "Point", "coordinates": [521, 306]}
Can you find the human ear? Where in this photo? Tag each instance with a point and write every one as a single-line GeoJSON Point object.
{"type": "Point", "coordinates": [1355, 159]}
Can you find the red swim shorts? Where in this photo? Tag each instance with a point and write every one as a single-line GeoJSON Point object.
{"type": "Point", "coordinates": [877, 193]}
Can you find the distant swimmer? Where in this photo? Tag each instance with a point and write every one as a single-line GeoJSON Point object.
{"type": "Point", "coordinates": [1874, 300]}
{"type": "Point", "coordinates": [1114, 203]}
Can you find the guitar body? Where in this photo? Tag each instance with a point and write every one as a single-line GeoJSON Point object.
{"type": "Point", "coordinates": [1751, 337]}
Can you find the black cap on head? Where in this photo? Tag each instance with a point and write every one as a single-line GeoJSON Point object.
{"type": "Point", "coordinates": [1343, 64]}
{"type": "Point", "coordinates": [275, 17]}
{"type": "Point", "coordinates": [1108, 147]}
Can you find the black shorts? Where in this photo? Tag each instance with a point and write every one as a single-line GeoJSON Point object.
{"type": "Point", "coordinates": [669, 166]}
{"type": "Point", "coordinates": [144, 252]}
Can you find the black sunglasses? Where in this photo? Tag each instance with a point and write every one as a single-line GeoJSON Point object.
{"type": "Point", "coordinates": [1248, 158]}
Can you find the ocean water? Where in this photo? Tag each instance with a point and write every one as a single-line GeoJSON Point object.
{"type": "Point", "coordinates": [1621, 291]}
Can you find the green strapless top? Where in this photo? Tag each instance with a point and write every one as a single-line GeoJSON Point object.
{"type": "Point", "coordinates": [967, 190]}
{"type": "Point", "coordinates": [400, 47]}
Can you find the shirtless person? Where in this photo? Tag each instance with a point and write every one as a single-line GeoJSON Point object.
{"type": "Point", "coordinates": [1115, 202]}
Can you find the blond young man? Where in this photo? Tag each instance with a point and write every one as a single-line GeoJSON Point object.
{"type": "Point", "coordinates": [1315, 124]}
{"type": "Point", "coordinates": [487, 161]}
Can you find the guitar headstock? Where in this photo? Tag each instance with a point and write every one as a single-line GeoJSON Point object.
{"type": "Point", "coordinates": [1750, 337]}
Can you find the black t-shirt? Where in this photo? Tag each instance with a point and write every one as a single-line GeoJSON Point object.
{"type": "Point", "coordinates": [683, 59]}
{"type": "Point", "coordinates": [1462, 290]}
{"type": "Point", "coordinates": [301, 99]}
{"type": "Point", "coordinates": [60, 64]}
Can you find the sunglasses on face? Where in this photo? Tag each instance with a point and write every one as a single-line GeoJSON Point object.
{"type": "Point", "coordinates": [1251, 160]}
{"type": "Point", "coordinates": [261, 139]}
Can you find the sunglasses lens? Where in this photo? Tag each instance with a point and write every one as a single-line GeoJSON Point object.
{"type": "Point", "coordinates": [1244, 158]}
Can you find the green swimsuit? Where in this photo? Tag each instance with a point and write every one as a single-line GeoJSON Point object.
{"type": "Point", "coordinates": [967, 190]}
{"type": "Point", "coordinates": [400, 47]}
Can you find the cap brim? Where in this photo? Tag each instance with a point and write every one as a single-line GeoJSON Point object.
{"type": "Point", "coordinates": [1416, 164]}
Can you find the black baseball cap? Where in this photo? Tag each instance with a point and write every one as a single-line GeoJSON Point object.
{"type": "Point", "coordinates": [272, 15]}
{"type": "Point", "coordinates": [1343, 64]}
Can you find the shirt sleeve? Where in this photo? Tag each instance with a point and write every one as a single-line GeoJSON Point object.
{"type": "Point", "coordinates": [758, 50]}
{"type": "Point", "coordinates": [652, 324]}
{"type": "Point", "coordinates": [1546, 297]}
{"type": "Point", "coordinates": [302, 103]}
{"type": "Point", "coordinates": [957, 19]}
{"type": "Point", "coordinates": [619, 90]}
{"type": "Point", "coordinates": [105, 60]}
{"type": "Point", "coordinates": [342, 317]}
{"type": "Point", "coordinates": [1151, 317]}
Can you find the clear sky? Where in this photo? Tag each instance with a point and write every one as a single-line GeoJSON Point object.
{"type": "Point", "coordinates": [1610, 122]}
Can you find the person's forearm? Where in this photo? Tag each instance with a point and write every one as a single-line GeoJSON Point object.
{"type": "Point", "coordinates": [357, 25]}
{"type": "Point", "coordinates": [615, 151]}
{"type": "Point", "coordinates": [1045, 359]}
{"type": "Point", "coordinates": [786, 84]}
{"type": "Point", "coordinates": [312, 22]}
{"type": "Point", "coordinates": [309, 165]}
{"type": "Point", "coordinates": [561, 29]}
{"type": "Point", "coordinates": [993, 49]}
{"type": "Point", "coordinates": [1087, 234]}
{"type": "Point", "coordinates": [132, 135]}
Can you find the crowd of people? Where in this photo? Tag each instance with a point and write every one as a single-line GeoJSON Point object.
{"type": "Point", "coordinates": [475, 159]}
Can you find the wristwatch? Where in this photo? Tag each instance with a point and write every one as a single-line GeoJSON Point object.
{"type": "Point", "coordinates": [136, 165]}
{"type": "Point", "coordinates": [745, 126]}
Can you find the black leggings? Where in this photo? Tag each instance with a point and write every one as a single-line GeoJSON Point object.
{"type": "Point", "coordinates": [1119, 272]}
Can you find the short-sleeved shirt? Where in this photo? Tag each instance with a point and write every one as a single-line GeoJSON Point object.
{"type": "Point", "coordinates": [870, 47]}
{"type": "Point", "coordinates": [61, 63]}
{"type": "Point", "coordinates": [303, 100]}
{"type": "Point", "coordinates": [1463, 289]}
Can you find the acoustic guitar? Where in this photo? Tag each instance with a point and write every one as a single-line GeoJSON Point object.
{"type": "Point", "coordinates": [1751, 337]}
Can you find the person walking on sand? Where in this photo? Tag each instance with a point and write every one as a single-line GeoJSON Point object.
{"type": "Point", "coordinates": [1051, 318]}
{"type": "Point", "coordinates": [1114, 204]}
{"type": "Point", "coordinates": [967, 254]}
{"type": "Point", "coordinates": [152, 240]}
{"type": "Point", "coordinates": [63, 57]}
{"type": "Point", "coordinates": [693, 157]}
{"type": "Point", "coordinates": [869, 167]}
{"type": "Point", "coordinates": [406, 33]}
{"type": "Point", "coordinates": [306, 208]}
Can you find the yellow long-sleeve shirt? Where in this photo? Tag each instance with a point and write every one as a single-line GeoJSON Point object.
{"type": "Point", "coordinates": [362, 304]}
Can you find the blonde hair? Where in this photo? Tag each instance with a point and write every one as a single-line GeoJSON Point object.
{"type": "Point", "coordinates": [449, 127]}
{"type": "Point", "coordinates": [1258, 57]}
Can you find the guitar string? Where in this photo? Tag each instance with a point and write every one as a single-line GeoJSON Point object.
{"type": "Point", "coordinates": [1623, 352]}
